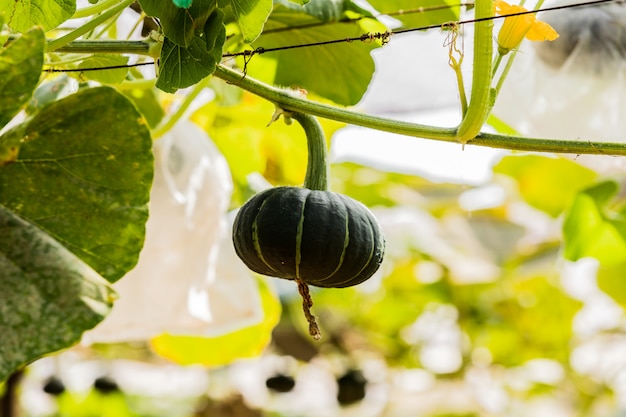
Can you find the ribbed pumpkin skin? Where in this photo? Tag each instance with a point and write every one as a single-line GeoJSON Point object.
{"type": "Point", "coordinates": [322, 238]}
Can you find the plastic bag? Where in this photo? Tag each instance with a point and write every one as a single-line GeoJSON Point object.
{"type": "Point", "coordinates": [574, 87]}
{"type": "Point", "coordinates": [187, 280]}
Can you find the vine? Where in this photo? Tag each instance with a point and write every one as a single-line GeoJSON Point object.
{"type": "Point", "coordinates": [99, 189]}
{"type": "Point", "coordinates": [468, 131]}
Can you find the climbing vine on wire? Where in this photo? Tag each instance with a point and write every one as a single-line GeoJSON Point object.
{"type": "Point", "coordinates": [75, 149]}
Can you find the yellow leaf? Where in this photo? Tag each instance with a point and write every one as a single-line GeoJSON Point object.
{"type": "Point", "coordinates": [248, 342]}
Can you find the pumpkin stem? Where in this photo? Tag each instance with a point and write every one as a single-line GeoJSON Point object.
{"type": "Point", "coordinates": [316, 177]}
{"type": "Point", "coordinates": [307, 303]}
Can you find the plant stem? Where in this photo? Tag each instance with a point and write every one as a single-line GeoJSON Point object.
{"type": "Point", "coordinates": [317, 171]}
{"type": "Point", "coordinates": [461, 86]}
{"type": "Point", "coordinates": [307, 303]}
{"type": "Point", "coordinates": [289, 102]}
{"type": "Point", "coordinates": [105, 47]}
{"type": "Point", "coordinates": [55, 44]}
{"type": "Point", "coordinates": [94, 9]}
{"type": "Point", "coordinates": [479, 106]}
{"type": "Point", "coordinates": [294, 104]}
{"type": "Point", "coordinates": [496, 65]}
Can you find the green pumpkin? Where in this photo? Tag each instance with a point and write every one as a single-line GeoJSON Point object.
{"type": "Point", "coordinates": [323, 238]}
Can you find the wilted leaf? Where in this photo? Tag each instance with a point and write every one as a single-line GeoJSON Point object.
{"type": "Point", "coordinates": [83, 175]}
{"type": "Point", "coordinates": [48, 297]}
{"type": "Point", "coordinates": [20, 66]}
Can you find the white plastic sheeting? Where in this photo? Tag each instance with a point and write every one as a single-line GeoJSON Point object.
{"type": "Point", "coordinates": [188, 280]}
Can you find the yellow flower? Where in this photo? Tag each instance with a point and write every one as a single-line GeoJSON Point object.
{"type": "Point", "coordinates": [515, 28]}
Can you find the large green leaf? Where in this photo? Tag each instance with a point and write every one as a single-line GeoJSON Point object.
{"type": "Point", "coordinates": [546, 183]}
{"type": "Point", "coordinates": [328, 10]}
{"type": "Point", "coordinates": [82, 172]}
{"type": "Point", "coordinates": [251, 16]}
{"type": "Point", "coordinates": [419, 13]}
{"type": "Point", "coordinates": [22, 15]}
{"type": "Point", "coordinates": [340, 71]}
{"type": "Point", "coordinates": [180, 25]}
{"type": "Point", "coordinates": [591, 229]}
{"type": "Point", "coordinates": [20, 68]}
{"type": "Point", "coordinates": [48, 297]}
{"type": "Point", "coordinates": [182, 67]}
{"type": "Point", "coordinates": [107, 76]}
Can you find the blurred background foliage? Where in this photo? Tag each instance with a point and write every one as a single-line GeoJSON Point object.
{"type": "Point", "coordinates": [503, 298]}
{"type": "Point", "coordinates": [484, 303]}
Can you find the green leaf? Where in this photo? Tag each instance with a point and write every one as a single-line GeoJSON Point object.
{"type": "Point", "coordinates": [180, 25]}
{"type": "Point", "coordinates": [546, 183]}
{"type": "Point", "coordinates": [20, 68]}
{"type": "Point", "coordinates": [107, 76]}
{"type": "Point", "coordinates": [612, 280]}
{"type": "Point", "coordinates": [182, 3]}
{"type": "Point", "coordinates": [48, 297]}
{"type": "Point", "coordinates": [414, 18]}
{"type": "Point", "coordinates": [328, 10]}
{"type": "Point", "coordinates": [24, 14]}
{"type": "Point", "coordinates": [223, 350]}
{"type": "Point", "coordinates": [83, 174]}
{"type": "Point", "coordinates": [182, 67]}
{"type": "Point", "coordinates": [251, 16]}
{"type": "Point", "coordinates": [340, 72]}
{"type": "Point", "coordinates": [147, 103]}
{"type": "Point", "coordinates": [48, 92]}
{"type": "Point", "coordinates": [590, 229]}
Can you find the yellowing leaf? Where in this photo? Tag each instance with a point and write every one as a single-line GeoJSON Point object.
{"type": "Point", "coordinates": [548, 184]}
{"type": "Point", "coordinates": [223, 350]}
{"type": "Point", "coordinates": [106, 76]}
{"type": "Point", "coordinates": [242, 134]}
{"type": "Point", "coordinates": [612, 280]}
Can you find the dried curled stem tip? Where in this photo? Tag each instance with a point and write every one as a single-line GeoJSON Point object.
{"type": "Point", "coordinates": [307, 303]}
